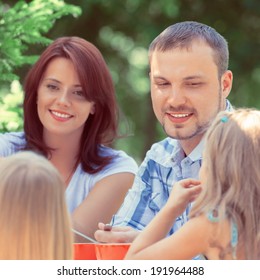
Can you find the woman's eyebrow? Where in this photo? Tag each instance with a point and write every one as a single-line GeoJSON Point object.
{"type": "Point", "coordinates": [57, 81]}
{"type": "Point", "coordinates": [52, 79]}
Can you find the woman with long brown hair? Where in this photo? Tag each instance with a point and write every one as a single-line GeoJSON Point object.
{"type": "Point", "coordinates": [71, 117]}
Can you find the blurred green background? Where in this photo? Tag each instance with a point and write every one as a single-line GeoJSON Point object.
{"type": "Point", "coordinates": [123, 30]}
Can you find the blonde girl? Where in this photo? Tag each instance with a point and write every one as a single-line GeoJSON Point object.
{"type": "Point", "coordinates": [225, 217]}
{"type": "Point", "coordinates": [34, 219]}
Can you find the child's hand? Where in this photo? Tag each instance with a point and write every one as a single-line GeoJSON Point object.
{"type": "Point", "coordinates": [183, 192]}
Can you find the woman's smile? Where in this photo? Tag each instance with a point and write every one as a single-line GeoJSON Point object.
{"type": "Point", "coordinates": [60, 116]}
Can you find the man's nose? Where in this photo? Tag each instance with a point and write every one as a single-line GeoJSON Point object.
{"type": "Point", "coordinates": [176, 96]}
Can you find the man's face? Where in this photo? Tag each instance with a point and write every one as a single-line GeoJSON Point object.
{"type": "Point", "coordinates": [187, 92]}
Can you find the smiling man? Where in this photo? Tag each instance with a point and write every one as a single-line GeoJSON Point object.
{"type": "Point", "coordinates": [190, 82]}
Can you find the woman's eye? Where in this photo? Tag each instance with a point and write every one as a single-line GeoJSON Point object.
{"type": "Point", "coordinates": [52, 87]}
{"type": "Point", "coordinates": [78, 93]}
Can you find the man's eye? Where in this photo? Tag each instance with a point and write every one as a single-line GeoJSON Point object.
{"type": "Point", "coordinates": [162, 84]}
{"type": "Point", "coordinates": [194, 84]}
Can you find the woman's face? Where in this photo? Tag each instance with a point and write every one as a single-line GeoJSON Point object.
{"type": "Point", "coordinates": [61, 104]}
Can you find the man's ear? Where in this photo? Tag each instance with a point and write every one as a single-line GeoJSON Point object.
{"type": "Point", "coordinates": [226, 82]}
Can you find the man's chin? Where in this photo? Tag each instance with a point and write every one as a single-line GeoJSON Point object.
{"type": "Point", "coordinates": [182, 136]}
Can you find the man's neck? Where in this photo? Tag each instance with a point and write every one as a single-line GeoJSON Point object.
{"type": "Point", "coordinates": [190, 144]}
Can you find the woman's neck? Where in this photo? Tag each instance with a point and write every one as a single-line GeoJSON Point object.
{"type": "Point", "coordinates": [64, 155]}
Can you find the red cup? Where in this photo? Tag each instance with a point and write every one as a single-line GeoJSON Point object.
{"type": "Point", "coordinates": [84, 251]}
{"type": "Point", "coordinates": [111, 251]}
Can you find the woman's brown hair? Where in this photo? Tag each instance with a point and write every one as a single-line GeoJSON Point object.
{"type": "Point", "coordinates": [97, 84]}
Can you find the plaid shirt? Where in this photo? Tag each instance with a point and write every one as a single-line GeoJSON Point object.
{"type": "Point", "coordinates": [165, 163]}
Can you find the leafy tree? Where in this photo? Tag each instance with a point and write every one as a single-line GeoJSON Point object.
{"type": "Point", "coordinates": [22, 26]}
{"type": "Point", "coordinates": [11, 113]}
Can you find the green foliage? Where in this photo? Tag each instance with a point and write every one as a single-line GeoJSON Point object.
{"type": "Point", "coordinates": [11, 113]}
{"type": "Point", "coordinates": [23, 25]}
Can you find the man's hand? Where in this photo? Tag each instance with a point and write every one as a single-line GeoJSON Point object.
{"type": "Point", "coordinates": [116, 234]}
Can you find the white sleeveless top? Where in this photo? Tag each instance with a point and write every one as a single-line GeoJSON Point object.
{"type": "Point", "coordinates": [81, 182]}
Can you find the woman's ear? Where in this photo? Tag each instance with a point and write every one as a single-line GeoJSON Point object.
{"type": "Point", "coordinates": [93, 109]}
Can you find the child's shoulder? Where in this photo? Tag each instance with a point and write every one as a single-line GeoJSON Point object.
{"type": "Point", "coordinates": [205, 229]}
{"type": "Point", "coordinates": [216, 232]}
{"type": "Point", "coordinates": [201, 220]}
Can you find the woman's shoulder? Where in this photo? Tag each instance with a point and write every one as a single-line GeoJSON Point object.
{"type": "Point", "coordinates": [120, 160]}
{"type": "Point", "coordinates": [120, 163]}
{"type": "Point", "coordinates": [11, 143]}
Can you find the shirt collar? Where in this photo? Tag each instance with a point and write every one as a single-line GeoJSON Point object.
{"type": "Point", "coordinates": [196, 153]}
{"type": "Point", "coordinates": [178, 154]}
{"type": "Point", "coordinates": [229, 107]}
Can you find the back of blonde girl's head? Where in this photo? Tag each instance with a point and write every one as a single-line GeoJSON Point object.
{"type": "Point", "coordinates": [232, 185]}
{"type": "Point", "coordinates": [34, 220]}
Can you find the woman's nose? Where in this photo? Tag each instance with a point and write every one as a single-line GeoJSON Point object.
{"type": "Point", "coordinates": [63, 99]}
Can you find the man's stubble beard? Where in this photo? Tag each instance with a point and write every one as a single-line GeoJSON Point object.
{"type": "Point", "coordinates": [200, 129]}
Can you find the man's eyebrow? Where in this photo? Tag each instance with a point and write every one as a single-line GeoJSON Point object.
{"type": "Point", "coordinates": [185, 78]}
{"type": "Point", "coordinates": [159, 77]}
{"type": "Point", "coordinates": [192, 77]}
